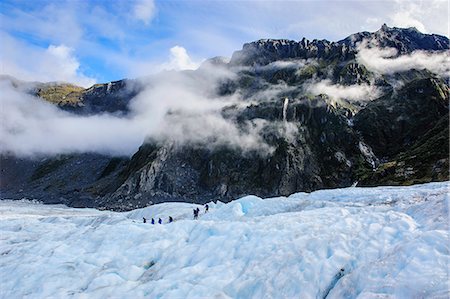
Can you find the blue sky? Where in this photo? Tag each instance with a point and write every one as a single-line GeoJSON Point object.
{"type": "Point", "coordinates": [99, 41]}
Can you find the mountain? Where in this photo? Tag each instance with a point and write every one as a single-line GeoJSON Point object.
{"type": "Point", "coordinates": [395, 133]}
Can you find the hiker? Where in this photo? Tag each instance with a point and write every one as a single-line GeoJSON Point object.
{"type": "Point", "coordinates": [159, 221]}
{"type": "Point", "coordinates": [170, 219]}
{"type": "Point", "coordinates": [153, 221]}
{"type": "Point", "coordinates": [145, 220]}
{"type": "Point", "coordinates": [195, 213]}
{"type": "Point", "coordinates": [206, 208]}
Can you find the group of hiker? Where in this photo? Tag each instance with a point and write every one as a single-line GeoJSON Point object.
{"type": "Point", "coordinates": [197, 211]}
{"type": "Point", "coordinates": [159, 220]}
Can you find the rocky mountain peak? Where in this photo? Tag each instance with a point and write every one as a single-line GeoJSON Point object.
{"type": "Point", "coordinates": [384, 27]}
{"type": "Point", "coordinates": [405, 40]}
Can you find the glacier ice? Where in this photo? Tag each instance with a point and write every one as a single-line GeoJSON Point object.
{"type": "Point", "coordinates": [383, 242]}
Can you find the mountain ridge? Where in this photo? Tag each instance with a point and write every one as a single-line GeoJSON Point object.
{"type": "Point", "coordinates": [405, 40]}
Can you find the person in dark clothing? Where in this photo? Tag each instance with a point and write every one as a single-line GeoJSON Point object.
{"type": "Point", "coordinates": [145, 220]}
{"type": "Point", "coordinates": [206, 208]}
{"type": "Point", "coordinates": [153, 221]}
{"type": "Point", "coordinates": [170, 219]}
{"type": "Point", "coordinates": [195, 213]}
{"type": "Point", "coordinates": [159, 221]}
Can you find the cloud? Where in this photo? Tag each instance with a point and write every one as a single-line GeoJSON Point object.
{"type": "Point", "coordinates": [179, 60]}
{"type": "Point", "coordinates": [288, 64]}
{"type": "Point", "coordinates": [144, 10]}
{"type": "Point", "coordinates": [212, 130]}
{"type": "Point", "coordinates": [426, 16]}
{"type": "Point", "coordinates": [54, 63]}
{"type": "Point", "coordinates": [404, 19]}
{"type": "Point", "coordinates": [386, 61]}
{"type": "Point", "coordinates": [269, 92]}
{"type": "Point", "coordinates": [356, 92]}
{"type": "Point", "coordinates": [410, 14]}
{"type": "Point", "coordinates": [68, 66]}
{"type": "Point", "coordinates": [175, 107]}
{"type": "Point", "coordinates": [31, 126]}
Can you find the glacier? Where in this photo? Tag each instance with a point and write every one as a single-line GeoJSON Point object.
{"type": "Point", "coordinates": [381, 242]}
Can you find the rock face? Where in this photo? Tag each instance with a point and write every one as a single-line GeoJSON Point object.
{"type": "Point", "coordinates": [409, 131]}
{"type": "Point", "coordinates": [394, 122]}
{"type": "Point", "coordinates": [407, 40]}
{"type": "Point", "coordinates": [316, 141]}
{"type": "Point", "coordinates": [324, 152]}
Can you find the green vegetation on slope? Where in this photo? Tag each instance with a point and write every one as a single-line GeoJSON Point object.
{"type": "Point", "coordinates": [61, 94]}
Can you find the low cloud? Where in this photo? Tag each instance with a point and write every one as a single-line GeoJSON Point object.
{"type": "Point", "coordinates": [282, 64]}
{"type": "Point", "coordinates": [32, 126]}
{"type": "Point", "coordinates": [386, 60]}
{"type": "Point", "coordinates": [356, 92]}
{"type": "Point", "coordinates": [179, 107]}
{"type": "Point", "coordinates": [271, 92]}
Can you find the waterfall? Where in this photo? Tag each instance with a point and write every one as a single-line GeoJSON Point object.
{"type": "Point", "coordinates": [285, 106]}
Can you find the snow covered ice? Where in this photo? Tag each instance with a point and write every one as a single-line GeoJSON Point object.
{"type": "Point", "coordinates": [384, 242]}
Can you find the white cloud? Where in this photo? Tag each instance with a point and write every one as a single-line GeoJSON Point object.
{"type": "Point", "coordinates": [426, 16]}
{"type": "Point", "coordinates": [180, 60]}
{"type": "Point", "coordinates": [404, 19]}
{"type": "Point", "coordinates": [386, 61]}
{"type": "Point", "coordinates": [32, 126]}
{"type": "Point", "coordinates": [68, 66]}
{"type": "Point", "coordinates": [55, 63]}
{"type": "Point", "coordinates": [177, 60]}
{"type": "Point", "coordinates": [176, 107]}
{"type": "Point", "coordinates": [356, 92]}
{"type": "Point", "coordinates": [144, 10]}
{"type": "Point", "coordinates": [281, 64]}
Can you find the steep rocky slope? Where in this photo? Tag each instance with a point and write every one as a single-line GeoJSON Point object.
{"type": "Point", "coordinates": [324, 152]}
